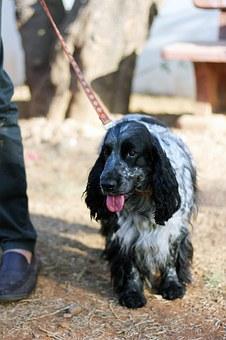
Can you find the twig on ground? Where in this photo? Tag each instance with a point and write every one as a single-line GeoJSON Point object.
{"type": "Point", "coordinates": [49, 314]}
{"type": "Point", "coordinates": [80, 275]}
{"type": "Point", "coordinates": [51, 334]}
{"type": "Point", "coordinates": [113, 312]}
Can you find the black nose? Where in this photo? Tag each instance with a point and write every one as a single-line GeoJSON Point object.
{"type": "Point", "coordinates": [108, 185]}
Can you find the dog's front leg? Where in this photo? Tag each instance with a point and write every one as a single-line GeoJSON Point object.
{"type": "Point", "coordinates": [170, 287]}
{"type": "Point", "coordinates": [126, 279]}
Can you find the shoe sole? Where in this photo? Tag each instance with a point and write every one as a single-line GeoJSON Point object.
{"type": "Point", "coordinates": [12, 298]}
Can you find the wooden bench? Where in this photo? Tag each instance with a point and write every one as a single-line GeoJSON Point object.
{"type": "Point", "coordinates": [209, 60]}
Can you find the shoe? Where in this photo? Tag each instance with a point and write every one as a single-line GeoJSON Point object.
{"type": "Point", "coordinates": [17, 277]}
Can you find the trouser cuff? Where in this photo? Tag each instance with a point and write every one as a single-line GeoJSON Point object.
{"type": "Point", "coordinates": [30, 246]}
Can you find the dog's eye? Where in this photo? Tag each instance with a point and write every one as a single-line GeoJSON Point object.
{"type": "Point", "coordinates": [132, 153]}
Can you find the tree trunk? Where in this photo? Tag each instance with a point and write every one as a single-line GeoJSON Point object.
{"type": "Point", "coordinates": [38, 39]}
{"type": "Point", "coordinates": [105, 39]}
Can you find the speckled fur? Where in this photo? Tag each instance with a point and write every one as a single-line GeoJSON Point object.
{"type": "Point", "coordinates": [149, 240]}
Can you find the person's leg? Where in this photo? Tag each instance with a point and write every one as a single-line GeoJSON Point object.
{"type": "Point", "coordinates": [17, 234]}
{"type": "Point", "coordinates": [16, 230]}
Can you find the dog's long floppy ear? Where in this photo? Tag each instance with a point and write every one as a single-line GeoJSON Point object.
{"type": "Point", "coordinates": [95, 200]}
{"type": "Point", "coordinates": [164, 185]}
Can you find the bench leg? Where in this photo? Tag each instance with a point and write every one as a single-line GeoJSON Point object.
{"type": "Point", "coordinates": [211, 85]}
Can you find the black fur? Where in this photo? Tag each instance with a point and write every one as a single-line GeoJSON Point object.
{"type": "Point", "coordinates": [95, 199]}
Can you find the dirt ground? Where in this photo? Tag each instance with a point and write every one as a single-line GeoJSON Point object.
{"type": "Point", "coordinates": [74, 299]}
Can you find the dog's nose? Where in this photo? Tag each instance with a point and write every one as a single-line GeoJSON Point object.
{"type": "Point", "coordinates": [108, 185]}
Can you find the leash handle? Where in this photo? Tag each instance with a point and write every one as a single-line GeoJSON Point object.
{"type": "Point", "coordinates": [101, 112]}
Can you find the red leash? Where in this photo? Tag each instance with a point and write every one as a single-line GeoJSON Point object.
{"type": "Point", "coordinates": [98, 106]}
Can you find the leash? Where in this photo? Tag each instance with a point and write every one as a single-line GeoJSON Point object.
{"type": "Point", "coordinates": [96, 103]}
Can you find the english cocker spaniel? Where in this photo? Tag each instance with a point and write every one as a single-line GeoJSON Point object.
{"type": "Point", "coordinates": [142, 188]}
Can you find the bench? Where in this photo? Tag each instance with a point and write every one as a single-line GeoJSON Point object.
{"type": "Point", "coordinates": [209, 60]}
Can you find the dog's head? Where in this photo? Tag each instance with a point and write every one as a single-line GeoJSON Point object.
{"type": "Point", "coordinates": [131, 162]}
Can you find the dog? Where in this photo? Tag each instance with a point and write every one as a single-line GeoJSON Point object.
{"type": "Point", "coordinates": [142, 188]}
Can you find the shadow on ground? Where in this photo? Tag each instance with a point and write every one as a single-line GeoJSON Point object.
{"type": "Point", "coordinates": [67, 257]}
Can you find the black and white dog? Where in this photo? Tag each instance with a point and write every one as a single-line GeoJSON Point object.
{"type": "Point", "coordinates": [142, 188]}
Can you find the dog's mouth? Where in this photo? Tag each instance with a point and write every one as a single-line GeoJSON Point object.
{"type": "Point", "coordinates": [115, 203]}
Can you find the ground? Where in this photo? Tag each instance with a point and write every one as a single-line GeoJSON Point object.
{"type": "Point", "coordinates": [73, 298]}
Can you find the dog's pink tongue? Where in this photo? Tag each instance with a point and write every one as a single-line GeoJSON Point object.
{"type": "Point", "coordinates": [115, 203]}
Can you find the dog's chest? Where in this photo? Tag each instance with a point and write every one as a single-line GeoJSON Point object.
{"type": "Point", "coordinates": [150, 242]}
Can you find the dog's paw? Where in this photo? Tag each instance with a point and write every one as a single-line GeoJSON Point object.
{"type": "Point", "coordinates": [132, 299]}
{"type": "Point", "coordinates": [172, 290]}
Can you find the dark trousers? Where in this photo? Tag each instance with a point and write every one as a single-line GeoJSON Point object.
{"type": "Point", "coordinates": [16, 229]}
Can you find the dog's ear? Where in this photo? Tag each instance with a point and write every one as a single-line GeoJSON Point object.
{"type": "Point", "coordinates": [164, 185]}
{"type": "Point", "coordinates": [94, 198]}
